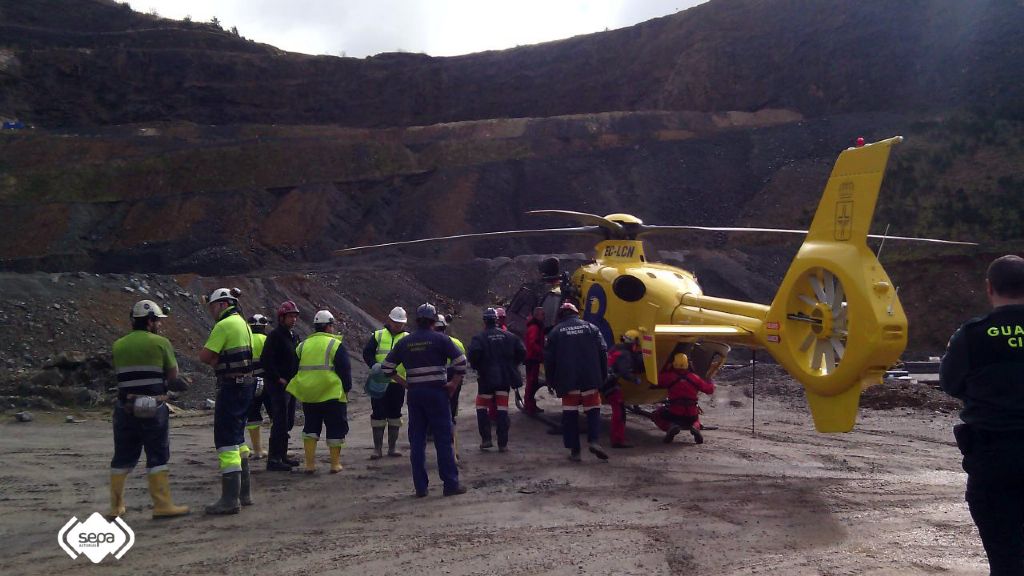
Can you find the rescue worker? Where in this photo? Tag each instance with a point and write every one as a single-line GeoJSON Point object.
{"type": "Point", "coordinates": [496, 355]}
{"type": "Point", "coordinates": [442, 327]}
{"type": "Point", "coordinates": [280, 364]}
{"type": "Point", "coordinates": [625, 362]}
{"type": "Point", "coordinates": [322, 385]}
{"type": "Point", "coordinates": [576, 363]}
{"type": "Point", "coordinates": [229, 351]}
{"type": "Point", "coordinates": [425, 353]}
{"type": "Point", "coordinates": [984, 367]}
{"type": "Point", "coordinates": [387, 411]}
{"type": "Point", "coordinates": [534, 359]}
{"type": "Point", "coordinates": [680, 410]}
{"type": "Point", "coordinates": [258, 324]}
{"type": "Point", "coordinates": [145, 366]}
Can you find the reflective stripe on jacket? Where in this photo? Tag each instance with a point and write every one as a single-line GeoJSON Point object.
{"type": "Point", "coordinates": [316, 380]}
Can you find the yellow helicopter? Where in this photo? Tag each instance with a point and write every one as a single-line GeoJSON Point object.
{"type": "Point", "coordinates": [836, 323]}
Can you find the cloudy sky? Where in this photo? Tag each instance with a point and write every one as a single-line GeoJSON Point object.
{"type": "Point", "coordinates": [437, 27]}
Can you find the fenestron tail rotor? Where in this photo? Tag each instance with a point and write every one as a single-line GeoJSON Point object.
{"type": "Point", "coordinates": [820, 321]}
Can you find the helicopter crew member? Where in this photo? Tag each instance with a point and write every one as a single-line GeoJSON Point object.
{"type": "Point", "coordinates": [280, 364]}
{"type": "Point", "coordinates": [258, 324]}
{"type": "Point", "coordinates": [322, 385]}
{"type": "Point", "coordinates": [984, 367]}
{"type": "Point", "coordinates": [229, 351]}
{"type": "Point", "coordinates": [442, 327]}
{"type": "Point", "coordinates": [626, 363]}
{"type": "Point", "coordinates": [680, 410]}
{"type": "Point", "coordinates": [387, 411]}
{"type": "Point", "coordinates": [145, 366]}
{"type": "Point", "coordinates": [576, 363]}
{"type": "Point", "coordinates": [425, 354]}
{"type": "Point", "coordinates": [496, 355]}
{"type": "Point", "coordinates": [534, 358]}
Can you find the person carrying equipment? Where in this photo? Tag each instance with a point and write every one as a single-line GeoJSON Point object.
{"type": "Point", "coordinates": [576, 364]}
{"type": "Point", "coordinates": [322, 385]}
{"type": "Point", "coordinates": [534, 359]}
{"type": "Point", "coordinates": [146, 367]}
{"type": "Point", "coordinates": [496, 355]}
{"type": "Point", "coordinates": [280, 364]}
{"type": "Point", "coordinates": [984, 367]}
{"type": "Point", "coordinates": [425, 354]}
{"type": "Point", "coordinates": [229, 351]}
{"type": "Point", "coordinates": [625, 362]}
{"type": "Point", "coordinates": [258, 324]}
{"type": "Point", "coordinates": [387, 411]}
{"type": "Point", "coordinates": [680, 410]}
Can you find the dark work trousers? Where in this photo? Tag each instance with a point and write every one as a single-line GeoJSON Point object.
{"type": "Point", "coordinates": [388, 407]}
{"type": "Point", "coordinates": [230, 412]}
{"type": "Point", "coordinates": [255, 412]}
{"type": "Point", "coordinates": [995, 496]}
{"type": "Point", "coordinates": [498, 400]}
{"type": "Point", "coordinates": [332, 414]}
{"type": "Point", "coordinates": [429, 410]}
{"type": "Point", "coordinates": [589, 401]}
{"type": "Point", "coordinates": [282, 419]}
{"type": "Point", "coordinates": [132, 434]}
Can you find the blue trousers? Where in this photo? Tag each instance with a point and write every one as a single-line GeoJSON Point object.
{"type": "Point", "coordinates": [132, 434]}
{"type": "Point", "coordinates": [230, 414]}
{"type": "Point", "coordinates": [429, 410]}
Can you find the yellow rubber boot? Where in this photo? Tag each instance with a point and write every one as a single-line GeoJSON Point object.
{"type": "Point", "coordinates": [160, 491]}
{"type": "Point", "coordinates": [335, 459]}
{"type": "Point", "coordinates": [309, 445]}
{"type": "Point", "coordinates": [117, 507]}
{"type": "Point", "coordinates": [257, 444]}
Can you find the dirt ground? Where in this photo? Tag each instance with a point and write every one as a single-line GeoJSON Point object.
{"type": "Point", "coordinates": [886, 499]}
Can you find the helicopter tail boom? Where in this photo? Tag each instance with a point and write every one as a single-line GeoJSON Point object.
{"type": "Point", "coordinates": [836, 323]}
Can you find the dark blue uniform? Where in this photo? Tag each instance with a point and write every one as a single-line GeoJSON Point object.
{"type": "Point", "coordinates": [496, 355]}
{"type": "Point", "coordinates": [984, 367]}
{"type": "Point", "coordinates": [425, 355]}
{"type": "Point", "coordinates": [576, 364]}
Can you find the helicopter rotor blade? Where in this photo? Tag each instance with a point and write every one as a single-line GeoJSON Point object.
{"type": "Point", "coordinates": [655, 229]}
{"type": "Point", "coordinates": [584, 218]}
{"type": "Point", "coordinates": [545, 232]}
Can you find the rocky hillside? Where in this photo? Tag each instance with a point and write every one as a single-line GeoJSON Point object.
{"type": "Point", "coordinates": [91, 62]}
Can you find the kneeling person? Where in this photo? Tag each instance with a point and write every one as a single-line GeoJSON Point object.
{"type": "Point", "coordinates": [681, 410]}
{"type": "Point", "coordinates": [145, 363]}
{"type": "Point", "coordinates": [322, 385]}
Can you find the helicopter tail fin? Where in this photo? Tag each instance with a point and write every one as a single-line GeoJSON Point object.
{"type": "Point", "coordinates": [836, 283]}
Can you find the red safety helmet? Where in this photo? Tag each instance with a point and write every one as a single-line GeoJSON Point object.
{"type": "Point", "coordinates": [287, 307]}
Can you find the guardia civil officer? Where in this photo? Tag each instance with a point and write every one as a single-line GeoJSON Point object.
{"type": "Point", "coordinates": [387, 410]}
{"type": "Point", "coordinates": [425, 354]}
{"type": "Point", "coordinates": [145, 365]}
{"type": "Point", "coordinates": [322, 385]}
{"type": "Point", "coordinates": [496, 355]}
{"type": "Point", "coordinates": [576, 363]}
{"type": "Point", "coordinates": [229, 351]}
{"type": "Point", "coordinates": [984, 367]}
{"type": "Point", "coordinates": [258, 323]}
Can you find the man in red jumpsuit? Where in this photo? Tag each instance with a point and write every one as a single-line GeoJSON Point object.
{"type": "Point", "coordinates": [680, 409]}
{"type": "Point", "coordinates": [625, 362]}
{"type": "Point", "coordinates": [534, 358]}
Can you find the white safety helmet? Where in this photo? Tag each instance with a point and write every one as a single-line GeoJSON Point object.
{"type": "Point", "coordinates": [441, 321]}
{"type": "Point", "coordinates": [398, 315]}
{"type": "Point", "coordinates": [224, 294]}
{"type": "Point", "coordinates": [323, 317]}
{"type": "Point", "coordinates": [259, 320]}
{"type": "Point", "coordinates": [146, 308]}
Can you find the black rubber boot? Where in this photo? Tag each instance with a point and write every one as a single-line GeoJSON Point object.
{"type": "Point", "coordinates": [245, 491]}
{"type": "Point", "coordinates": [698, 438]}
{"type": "Point", "coordinates": [230, 486]}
